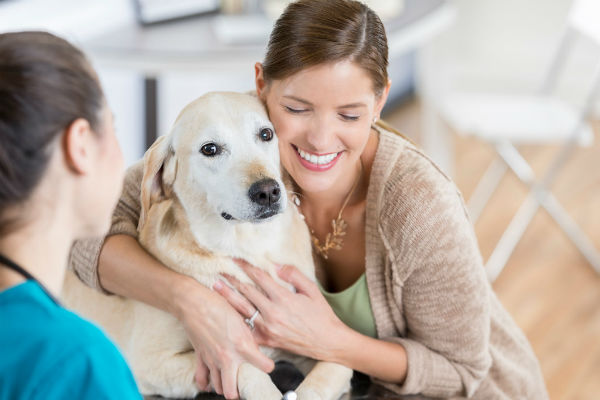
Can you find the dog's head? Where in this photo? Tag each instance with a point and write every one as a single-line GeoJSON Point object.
{"type": "Point", "coordinates": [220, 157]}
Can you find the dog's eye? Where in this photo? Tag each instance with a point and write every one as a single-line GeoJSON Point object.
{"type": "Point", "coordinates": [210, 149]}
{"type": "Point", "coordinates": [266, 134]}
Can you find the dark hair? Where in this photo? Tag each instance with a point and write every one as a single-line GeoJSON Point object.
{"type": "Point", "coordinates": [313, 32]}
{"type": "Point", "coordinates": [45, 85]}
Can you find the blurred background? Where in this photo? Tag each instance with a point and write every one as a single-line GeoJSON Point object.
{"type": "Point", "coordinates": [155, 56]}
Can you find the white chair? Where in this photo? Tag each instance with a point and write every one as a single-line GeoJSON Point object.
{"type": "Point", "coordinates": [508, 120]}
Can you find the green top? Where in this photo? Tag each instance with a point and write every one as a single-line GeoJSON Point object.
{"type": "Point", "coordinates": [353, 306]}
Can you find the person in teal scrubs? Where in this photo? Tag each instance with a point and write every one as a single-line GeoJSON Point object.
{"type": "Point", "coordinates": [60, 177]}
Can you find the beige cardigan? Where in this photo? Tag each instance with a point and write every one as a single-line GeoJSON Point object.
{"type": "Point", "coordinates": [425, 277]}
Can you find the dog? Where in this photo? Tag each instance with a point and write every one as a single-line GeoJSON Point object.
{"type": "Point", "coordinates": [212, 190]}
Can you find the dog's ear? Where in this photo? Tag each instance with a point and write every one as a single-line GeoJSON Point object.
{"type": "Point", "coordinates": [160, 169]}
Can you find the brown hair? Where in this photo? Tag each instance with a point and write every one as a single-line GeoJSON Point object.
{"type": "Point", "coordinates": [45, 85]}
{"type": "Point", "coordinates": [313, 32]}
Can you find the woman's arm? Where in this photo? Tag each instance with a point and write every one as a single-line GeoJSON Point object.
{"type": "Point", "coordinates": [304, 323]}
{"type": "Point", "coordinates": [126, 269]}
{"type": "Point", "coordinates": [437, 280]}
{"type": "Point", "coordinates": [377, 358]}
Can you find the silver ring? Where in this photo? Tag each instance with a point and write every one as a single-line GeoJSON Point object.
{"type": "Point", "coordinates": [250, 321]}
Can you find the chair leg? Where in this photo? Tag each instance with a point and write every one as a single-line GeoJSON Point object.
{"type": "Point", "coordinates": [517, 226]}
{"type": "Point", "coordinates": [538, 195]}
{"type": "Point", "coordinates": [511, 236]}
{"type": "Point", "coordinates": [572, 230]}
{"type": "Point", "coordinates": [485, 188]}
{"type": "Point", "coordinates": [515, 161]}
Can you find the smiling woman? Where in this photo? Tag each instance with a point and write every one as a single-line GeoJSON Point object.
{"type": "Point", "coordinates": [397, 255]}
{"type": "Point", "coordinates": [406, 298]}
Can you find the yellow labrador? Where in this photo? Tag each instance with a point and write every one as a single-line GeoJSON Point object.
{"type": "Point", "coordinates": [212, 189]}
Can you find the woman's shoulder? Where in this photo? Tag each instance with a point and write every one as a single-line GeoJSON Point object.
{"type": "Point", "coordinates": [412, 196]}
{"type": "Point", "coordinates": [84, 339]}
{"type": "Point", "coordinates": [63, 330]}
{"type": "Point", "coordinates": [406, 173]}
{"type": "Point", "coordinates": [81, 331]}
{"type": "Point", "coordinates": [32, 315]}
{"type": "Point", "coordinates": [82, 350]}
{"type": "Point", "coordinates": [419, 211]}
{"type": "Point", "coordinates": [64, 347]}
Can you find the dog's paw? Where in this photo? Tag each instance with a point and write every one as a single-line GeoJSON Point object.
{"type": "Point", "coordinates": [254, 384]}
{"type": "Point", "coordinates": [257, 391]}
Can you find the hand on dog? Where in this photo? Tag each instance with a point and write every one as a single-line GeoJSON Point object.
{"type": "Point", "coordinates": [291, 321]}
{"type": "Point", "coordinates": [222, 342]}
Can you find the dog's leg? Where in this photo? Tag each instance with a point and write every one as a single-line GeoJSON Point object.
{"type": "Point", "coordinates": [326, 381]}
{"type": "Point", "coordinates": [160, 354]}
{"type": "Point", "coordinates": [254, 384]}
{"type": "Point", "coordinates": [168, 375]}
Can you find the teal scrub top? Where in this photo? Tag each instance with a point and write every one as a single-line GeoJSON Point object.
{"type": "Point", "coordinates": [48, 352]}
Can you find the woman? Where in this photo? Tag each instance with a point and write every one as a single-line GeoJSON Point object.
{"type": "Point", "coordinates": [398, 258]}
{"type": "Point", "coordinates": [57, 147]}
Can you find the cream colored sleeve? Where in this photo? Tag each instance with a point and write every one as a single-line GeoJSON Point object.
{"type": "Point", "coordinates": [441, 284]}
{"type": "Point", "coordinates": [83, 259]}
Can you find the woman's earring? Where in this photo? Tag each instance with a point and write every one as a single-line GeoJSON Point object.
{"type": "Point", "coordinates": [375, 119]}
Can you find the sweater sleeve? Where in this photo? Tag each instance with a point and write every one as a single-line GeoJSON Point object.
{"type": "Point", "coordinates": [439, 282]}
{"type": "Point", "coordinates": [83, 258]}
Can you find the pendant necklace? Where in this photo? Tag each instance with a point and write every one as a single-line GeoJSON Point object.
{"type": "Point", "coordinates": [334, 239]}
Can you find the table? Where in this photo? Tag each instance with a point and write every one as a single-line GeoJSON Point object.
{"type": "Point", "coordinates": [192, 45]}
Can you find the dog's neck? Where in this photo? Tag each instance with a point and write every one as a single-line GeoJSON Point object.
{"type": "Point", "coordinates": [181, 239]}
{"type": "Point", "coordinates": [234, 238]}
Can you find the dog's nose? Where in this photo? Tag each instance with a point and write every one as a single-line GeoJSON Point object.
{"type": "Point", "coordinates": [265, 192]}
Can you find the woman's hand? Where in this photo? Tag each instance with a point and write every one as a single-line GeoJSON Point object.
{"type": "Point", "coordinates": [221, 339]}
{"type": "Point", "coordinates": [302, 322]}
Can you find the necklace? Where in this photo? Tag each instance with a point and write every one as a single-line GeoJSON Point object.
{"type": "Point", "coordinates": [334, 239]}
{"type": "Point", "coordinates": [22, 271]}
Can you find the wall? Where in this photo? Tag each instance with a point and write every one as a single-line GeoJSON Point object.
{"type": "Point", "coordinates": [494, 45]}
{"type": "Point", "coordinates": [78, 21]}
{"type": "Point", "coordinates": [503, 45]}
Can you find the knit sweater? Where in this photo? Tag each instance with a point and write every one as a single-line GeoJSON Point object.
{"type": "Point", "coordinates": [425, 277]}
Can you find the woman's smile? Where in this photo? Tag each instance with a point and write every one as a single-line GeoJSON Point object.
{"type": "Point", "coordinates": [315, 161]}
{"type": "Point", "coordinates": [319, 145]}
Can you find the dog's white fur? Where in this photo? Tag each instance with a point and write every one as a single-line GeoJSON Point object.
{"type": "Point", "coordinates": [184, 196]}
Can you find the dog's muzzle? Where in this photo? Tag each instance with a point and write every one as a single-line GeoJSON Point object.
{"type": "Point", "coordinates": [265, 194]}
